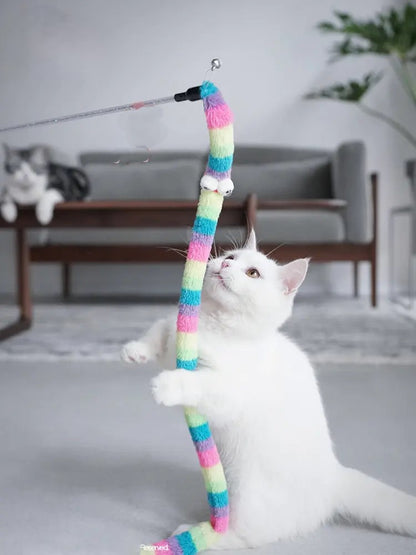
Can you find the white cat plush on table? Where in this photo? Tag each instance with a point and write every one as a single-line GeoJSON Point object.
{"type": "Point", "coordinates": [260, 395]}
{"type": "Point", "coordinates": [33, 179]}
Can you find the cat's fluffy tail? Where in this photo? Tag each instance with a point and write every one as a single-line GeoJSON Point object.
{"type": "Point", "coordinates": [367, 500]}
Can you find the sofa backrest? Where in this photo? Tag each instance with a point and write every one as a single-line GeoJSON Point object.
{"type": "Point", "coordinates": [142, 176]}
{"type": "Point", "coordinates": [266, 154]}
{"type": "Point", "coordinates": [271, 172]}
{"type": "Point", "coordinates": [281, 172]}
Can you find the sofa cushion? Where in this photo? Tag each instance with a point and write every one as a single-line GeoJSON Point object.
{"type": "Point", "coordinates": [273, 226]}
{"type": "Point", "coordinates": [161, 180]}
{"type": "Point", "coordinates": [300, 226]}
{"type": "Point", "coordinates": [284, 180]}
{"type": "Point", "coordinates": [266, 154]}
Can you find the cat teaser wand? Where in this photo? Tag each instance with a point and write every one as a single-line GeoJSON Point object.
{"type": "Point", "coordinates": [215, 184]}
{"type": "Point", "coordinates": [191, 94]}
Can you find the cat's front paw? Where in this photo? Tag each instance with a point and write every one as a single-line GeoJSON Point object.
{"type": "Point", "coordinates": [135, 351]}
{"type": "Point", "coordinates": [167, 388]}
{"type": "Point", "coordinates": [175, 387]}
{"type": "Point", "coordinates": [44, 212]}
{"type": "Point", "coordinates": [9, 211]}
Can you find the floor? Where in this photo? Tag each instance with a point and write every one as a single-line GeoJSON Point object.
{"type": "Point", "coordinates": [89, 465]}
{"type": "Point", "coordinates": [86, 469]}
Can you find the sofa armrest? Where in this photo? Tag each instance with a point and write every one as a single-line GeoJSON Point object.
{"type": "Point", "coordinates": [349, 183]}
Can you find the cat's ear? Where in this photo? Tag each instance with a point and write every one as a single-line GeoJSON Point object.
{"type": "Point", "coordinates": [38, 156]}
{"type": "Point", "coordinates": [293, 274]}
{"type": "Point", "coordinates": [251, 242]}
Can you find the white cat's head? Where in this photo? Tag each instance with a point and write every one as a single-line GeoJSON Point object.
{"type": "Point", "coordinates": [256, 290]}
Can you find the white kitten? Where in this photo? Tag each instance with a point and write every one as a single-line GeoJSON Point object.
{"type": "Point", "coordinates": [259, 393]}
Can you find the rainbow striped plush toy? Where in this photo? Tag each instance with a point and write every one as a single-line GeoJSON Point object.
{"type": "Point", "coordinates": [215, 184]}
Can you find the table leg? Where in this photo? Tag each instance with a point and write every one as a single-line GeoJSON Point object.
{"type": "Point", "coordinates": [356, 278]}
{"type": "Point", "coordinates": [66, 280]}
{"type": "Point", "coordinates": [24, 321]}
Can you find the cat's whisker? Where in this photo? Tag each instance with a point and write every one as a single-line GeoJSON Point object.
{"type": "Point", "coordinates": [241, 240]}
{"type": "Point", "coordinates": [182, 253]}
{"type": "Point", "coordinates": [233, 241]}
{"type": "Point", "coordinates": [215, 279]}
{"type": "Point", "coordinates": [179, 251]}
{"type": "Point", "coordinates": [275, 249]}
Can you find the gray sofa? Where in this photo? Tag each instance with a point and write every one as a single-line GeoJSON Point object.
{"type": "Point", "coordinates": [314, 202]}
{"type": "Point", "coordinates": [271, 172]}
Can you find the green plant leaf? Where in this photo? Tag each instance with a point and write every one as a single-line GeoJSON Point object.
{"type": "Point", "coordinates": [389, 32]}
{"type": "Point", "coordinates": [326, 26]}
{"type": "Point", "coordinates": [352, 91]}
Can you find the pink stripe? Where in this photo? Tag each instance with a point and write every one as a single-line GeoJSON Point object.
{"type": "Point", "coordinates": [137, 105]}
{"type": "Point", "coordinates": [219, 116]}
{"type": "Point", "coordinates": [166, 549]}
{"type": "Point", "coordinates": [187, 323]}
{"type": "Point", "coordinates": [220, 524]}
{"type": "Point", "coordinates": [198, 251]}
{"type": "Point", "coordinates": [208, 458]}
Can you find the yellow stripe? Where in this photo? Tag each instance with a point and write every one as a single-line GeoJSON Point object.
{"type": "Point", "coordinates": [214, 476]}
{"type": "Point", "coordinates": [193, 275]}
{"type": "Point", "coordinates": [203, 535]}
{"type": "Point", "coordinates": [208, 211]}
{"type": "Point", "coordinates": [222, 150]}
{"type": "Point", "coordinates": [212, 199]}
{"type": "Point", "coordinates": [221, 137]}
{"type": "Point", "coordinates": [186, 345]}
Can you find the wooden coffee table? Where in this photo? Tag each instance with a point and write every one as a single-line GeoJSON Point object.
{"type": "Point", "coordinates": [159, 214]}
{"type": "Point", "coordinates": [105, 214]}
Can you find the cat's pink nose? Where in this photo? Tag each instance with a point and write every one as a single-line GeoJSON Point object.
{"type": "Point", "coordinates": [225, 264]}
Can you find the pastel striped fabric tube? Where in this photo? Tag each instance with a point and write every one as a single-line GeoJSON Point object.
{"type": "Point", "coordinates": [221, 134]}
{"type": "Point", "coordinates": [203, 535]}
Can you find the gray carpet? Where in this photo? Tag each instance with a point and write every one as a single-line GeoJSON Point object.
{"type": "Point", "coordinates": [91, 466]}
{"type": "Point", "coordinates": [330, 330]}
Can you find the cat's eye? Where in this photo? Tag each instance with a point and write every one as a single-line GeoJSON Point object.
{"type": "Point", "coordinates": [12, 167]}
{"type": "Point", "coordinates": [230, 257]}
{"type": "Point", "coordinates": [253, 273]}
{"type": "Point", "coordinates": [39, 168]}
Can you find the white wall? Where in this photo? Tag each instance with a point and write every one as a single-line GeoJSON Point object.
{"type": "Point", "coordinates": [58, 57]}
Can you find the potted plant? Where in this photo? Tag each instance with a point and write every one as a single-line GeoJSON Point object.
{"type": "Point", "coordinates": [392, 35]}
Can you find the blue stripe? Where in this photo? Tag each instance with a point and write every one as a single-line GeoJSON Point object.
{"type": "Point", "coordinates": [190, 296]}
{"type": "Point", "coordinates": [220, 164]}
{"type": "Point", "coordinates": [207, 88]}
{"type": "Point", "coordinates": [187, 543]}
{"type": "Point", "coordinates": [218, 499]}
{"type": "Point", "coordinates": [204, 225]}
{"type": "Point", "coordinates": [200, 433]}
{"type": "Point", "coordinates": [187, 364]}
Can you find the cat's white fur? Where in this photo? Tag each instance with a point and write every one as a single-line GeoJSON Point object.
{"type": "Point", "coordinates": [25, 187]}
{"type": "Point", "coordinates": [260, 395]}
